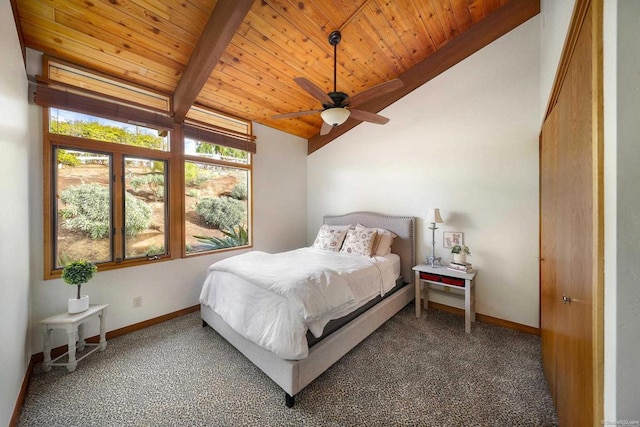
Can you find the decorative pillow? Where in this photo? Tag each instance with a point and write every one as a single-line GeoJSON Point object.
{"type": "Point", "coordinates": [329, 238]}
{"type": "Point", "coordinates": [383, 241]}
{"type": "Point", "coordinates": [384, 245]}
{"type": "Point", "coordinates": [359, 242]}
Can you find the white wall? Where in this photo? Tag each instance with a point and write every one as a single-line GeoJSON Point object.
{"type": "Point", "coordinates": [467, 143]}
{"type": "Point", "coordinates": [280, 188]}
{"type": "Point", "coordinates": [279, 214]}
{"type": "Point", "coordinates": [14, 214]}
{"type": "Point", "coordinates": [628, 206]}
{"type": "Point", "coordinates": [610, 205]}
{"type": "Point", "coordinates": [556, 16]}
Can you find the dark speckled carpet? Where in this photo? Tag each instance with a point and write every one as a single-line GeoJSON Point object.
{"type": "Point", "coordinates": [410, 372]}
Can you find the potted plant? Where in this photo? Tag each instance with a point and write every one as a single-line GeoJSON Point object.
{"type": "Point", "coordinates": [460, 253]}
{"type": "Point", "coordinates": [76, 273]}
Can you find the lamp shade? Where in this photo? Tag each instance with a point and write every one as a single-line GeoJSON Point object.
{"type": "Point", "coordinates": [335, 116]}
{"type": "Point", "coordinates": [433, 216]}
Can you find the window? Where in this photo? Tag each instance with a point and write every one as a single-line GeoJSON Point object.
{"type": "Point", "coordinates": [108, 187]}
{"type": "Point", "coordinates": [145, 210]}
{"type": "Point", "coordinates": [90, 127]}
{"type": "Point", "coordinates": [217, 194]}
{"type": "Point", "coordinates": [124, 185]}
{"type": "Point", "coordinates": [217, 181]}
{"type": "Point", "coordinates": [82, 206]}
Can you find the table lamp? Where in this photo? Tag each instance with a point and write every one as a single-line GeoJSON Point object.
{"type": "Point", "coordinates": [433, 218]}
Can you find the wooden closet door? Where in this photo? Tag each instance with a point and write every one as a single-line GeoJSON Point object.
{"type": "Point", "coordinates": [549, 297]}
{"type": "Point", "coordinates": [574, 363]}
{"type": "Point", "coordinates": [567, 239]}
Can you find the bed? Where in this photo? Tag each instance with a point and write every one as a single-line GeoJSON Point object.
{"type": "Point", "coordinates": [341, 335]}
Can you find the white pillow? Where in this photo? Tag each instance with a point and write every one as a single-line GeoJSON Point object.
{"type": "Point", "coordinates": [383, 241]}
{"type": "Point", "coordinates": [359, 242]}
{"type": "Point", "coordinates": [329, 238]}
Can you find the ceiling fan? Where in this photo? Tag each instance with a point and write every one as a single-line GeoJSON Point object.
{"type": "Point", "coordinates": [337, 107]}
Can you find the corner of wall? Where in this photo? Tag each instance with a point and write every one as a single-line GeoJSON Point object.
{"type": "Point", "coordinates": [14, 214]}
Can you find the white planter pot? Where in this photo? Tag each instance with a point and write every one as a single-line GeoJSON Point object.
{"type": "Point", "coordinates": [461, 258]}
{"type": "Point", "coordinates": [78, 305]}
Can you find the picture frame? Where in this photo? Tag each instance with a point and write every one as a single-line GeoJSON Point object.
{"type": "Point", "coordinates": [452, 238]}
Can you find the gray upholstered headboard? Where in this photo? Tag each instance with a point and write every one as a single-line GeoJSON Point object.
{"type": "Point", "coordinates": [403, 226]}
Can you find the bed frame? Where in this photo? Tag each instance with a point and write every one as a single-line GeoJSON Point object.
{"type": "Point", "coordinates": [294, 375]}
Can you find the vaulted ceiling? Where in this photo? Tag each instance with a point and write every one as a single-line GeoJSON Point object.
{"type": "Point", "coordinates": [241, 56]}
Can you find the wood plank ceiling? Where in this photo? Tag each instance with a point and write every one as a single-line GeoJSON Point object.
{"type": "Point", "coordinates": [150, 43]}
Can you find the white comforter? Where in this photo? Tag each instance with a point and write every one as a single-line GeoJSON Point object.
{"type": "Point", "coordinates": [272, 299]}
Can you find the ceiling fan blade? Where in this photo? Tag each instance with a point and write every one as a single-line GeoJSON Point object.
{"type": "Point", "coordinates": [295, 114]}
{"type": "Point", "coordinates": [366, 116]}
{"type": "Point", "coordinates": [313, 90]}
{"type": "Point", "coordinates": [378, 90]}
{"type": "Point", "coordinates": [325, 129]}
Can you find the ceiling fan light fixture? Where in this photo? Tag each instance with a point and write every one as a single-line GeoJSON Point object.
{"type": "Point", "coordinates": [335, 116]}
{"type": "Point", "coordinates": [334, 112]}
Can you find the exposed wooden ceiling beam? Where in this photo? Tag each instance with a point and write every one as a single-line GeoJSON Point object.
{"type": "Point", "coordinates": [480, 35]}
{"type": "Point", "coordinates": [220, 29]}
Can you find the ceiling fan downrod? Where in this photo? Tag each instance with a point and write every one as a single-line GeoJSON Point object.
{"type": "Point", "coordinates": [334, 39]}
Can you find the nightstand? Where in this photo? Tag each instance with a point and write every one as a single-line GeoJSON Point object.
{"type": "Point", "coordinates": [450, 282]}
{"type": "Point", "coordinates": [72, 323]}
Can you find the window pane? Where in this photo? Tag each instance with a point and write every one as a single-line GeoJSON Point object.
{"type": "Point", "coordinates": [212, 151]}
{"type": "Point", "coordinates": [85, 126]}
{"type": "Point", "coordinates": [83, 206]}
{"type": "Point", "coordinates": [144, 207]}
{"type": "Point", "coordinates": [216, 200]}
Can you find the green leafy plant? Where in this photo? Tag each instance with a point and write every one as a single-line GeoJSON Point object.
{"type": "Point", "coordinates": [155, 250]}
{"type": "Point", "coordinates": [66, 158]}
{"type": "Point", "coordinates": [223, 213]}
{"type": "Point", "coordinates": [194, 176]}
{"type": "Point", "coordinates": [207, 148]}
{"type": "Point", "coordinates": [109, 133]}
{"type": "Point", "coordinates": [233, 238]}
{"type": "Point", "coordinates": [154, 183]}
{"type": "Point", "coordinates": [77, 273]}
{"type": "Point", "coordinates": [87, 209]}
{"type": "Point", "coordinates": [460, 249]}
{"type": "Point", "coordinates": [239, 192]}
{"type": "Point", "coordinates": [137, 216]}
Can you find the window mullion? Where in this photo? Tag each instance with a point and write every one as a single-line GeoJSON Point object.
{"type": "Point", "coordinates": [176, 193]}
{"type": "Point", "coordinates": [49, 200]}
{"type": "Point", "coordinates": [117, 206]}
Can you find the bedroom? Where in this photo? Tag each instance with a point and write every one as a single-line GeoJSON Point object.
{"type": "Point", "coordinates": [458, 174]}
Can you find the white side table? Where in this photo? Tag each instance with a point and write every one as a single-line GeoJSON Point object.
{"type": "Point", "coordinates": [448, 279]}
{"type": "Point", "coordinates": [72, 323]}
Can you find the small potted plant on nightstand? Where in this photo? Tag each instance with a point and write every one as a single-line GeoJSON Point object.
{"type": "Point", "coordinates": [460, 253]}
{"type": "Point", "coordinates": [76, 273]}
